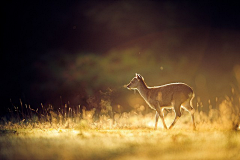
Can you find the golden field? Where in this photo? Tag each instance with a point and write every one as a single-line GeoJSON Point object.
{"type": "Point", "coordinates": [129, 136]}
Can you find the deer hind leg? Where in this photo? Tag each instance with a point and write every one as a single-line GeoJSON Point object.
{"type": "Point", "coordinates": [178, 114]}
{"type": "Point", "coordinates": [156, 120]}
{"type": "Point", "coordinates": [189, 107]}
{"type": "Point", "coordinates": [160, 114]}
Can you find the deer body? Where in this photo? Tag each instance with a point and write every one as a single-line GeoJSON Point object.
{"type": "Point", "coordinates": [174, 95]}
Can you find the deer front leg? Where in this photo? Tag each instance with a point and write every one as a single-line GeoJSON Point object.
{"type": "Point", "coordinates": [177, 114]}
{"type": "Point", "coordinates": [175, 120]}
{"type": "Point", "coordinates": [159, 111]}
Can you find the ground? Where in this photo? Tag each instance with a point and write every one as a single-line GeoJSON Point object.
{"type": "Point", "coordinates": [129, 135]}
{"type": "Point", "coordinates": [138, 143]}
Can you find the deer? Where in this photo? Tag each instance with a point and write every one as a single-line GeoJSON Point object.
{"type": "Point", "coordinates": [172, 95]}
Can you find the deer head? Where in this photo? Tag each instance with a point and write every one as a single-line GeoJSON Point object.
{"type": "Point", "coordinates": [135, 82]}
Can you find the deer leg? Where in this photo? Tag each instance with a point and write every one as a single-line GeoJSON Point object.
{"type": "Point", "coordinates": [191, 111]}
{"type": "Point", "coordinates": [177, 116]}
{"type": "Point", "coordinates": [161, 116]}
{"type": "Point", "coordinates": [192, 114]}
{"type": "Point", "coordinates": [156, 120]}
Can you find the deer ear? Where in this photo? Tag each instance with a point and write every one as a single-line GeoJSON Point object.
{"type": "Point", "coordinates": [136, 75]}
{"type": "Point", "coordinates": [139, 76]}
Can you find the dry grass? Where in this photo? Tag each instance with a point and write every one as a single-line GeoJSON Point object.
{"type": "Point", "coordinates": [123, 135]}
{"type": "Point", "coordinates": [133, 140]}
{"type": "Point", "coordinates": [119, 144]}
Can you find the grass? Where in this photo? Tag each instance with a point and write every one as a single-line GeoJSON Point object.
{"type": "Point", "coordinates": [119, 144]}
{"type": "Point", "coordinates": [70, 134]}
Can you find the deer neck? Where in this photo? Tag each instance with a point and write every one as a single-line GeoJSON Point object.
{"type": "Point", "coordinates": [143, 90]}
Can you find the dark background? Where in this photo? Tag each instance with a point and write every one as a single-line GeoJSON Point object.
{"type": "Point", "coordinates": [65, 52]}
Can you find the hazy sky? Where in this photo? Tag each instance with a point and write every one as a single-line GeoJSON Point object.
{"type": "Point", "coordinates": [32, 30]}
{"type": "Point", "coordinates": [98, 26]}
